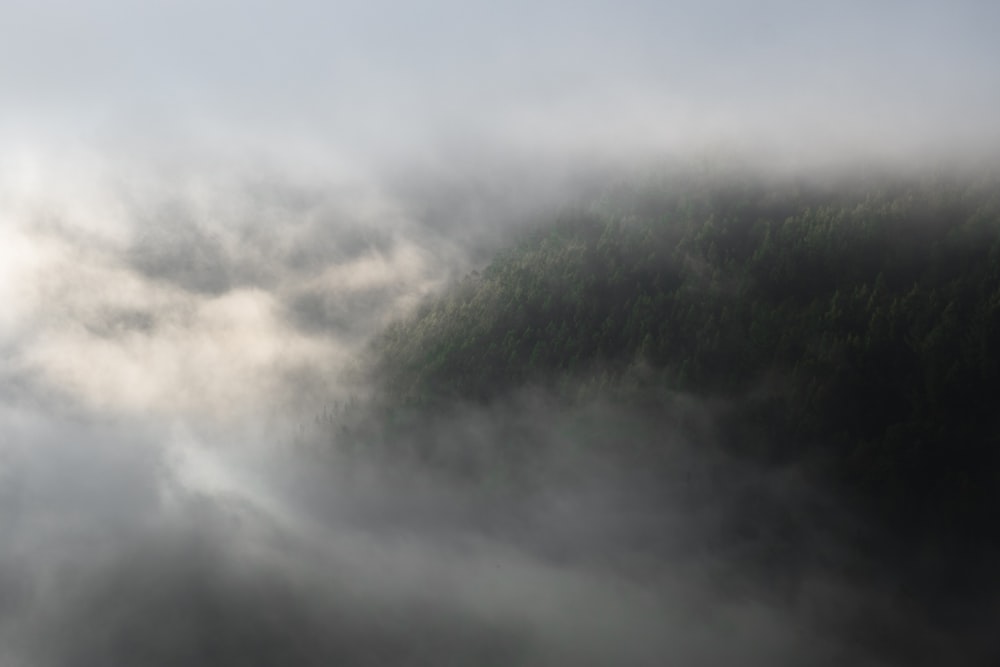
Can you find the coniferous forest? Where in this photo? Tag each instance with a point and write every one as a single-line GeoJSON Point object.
{"type": "Point", "coordinates": [852, 328]}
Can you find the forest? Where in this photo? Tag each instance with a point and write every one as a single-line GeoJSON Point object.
{"type": "Point", "coordinates": [849, 328]}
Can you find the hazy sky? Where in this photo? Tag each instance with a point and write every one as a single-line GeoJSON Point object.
{"type": "Point", "coordinates": [392, 79]}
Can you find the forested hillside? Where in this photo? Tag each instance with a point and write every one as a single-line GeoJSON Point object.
{"type": "Point", "coordinates": [857, 325]}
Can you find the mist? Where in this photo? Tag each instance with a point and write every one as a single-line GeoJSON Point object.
{"type": "Point", "coordinates": [207, 212]}
{"type": "Point", "coordinates": [147, 542]}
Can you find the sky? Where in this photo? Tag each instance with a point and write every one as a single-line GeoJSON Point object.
{"type": "Point", "coordinates": [208, 208]}
{"type": "Point", "coordinates": [390, 81]}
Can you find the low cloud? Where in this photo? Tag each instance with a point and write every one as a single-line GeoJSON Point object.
{"type": "Point", "coordinates": [200, 301]}
{"type": "Point", "coordinates": [166, 498]}
{"type": "Point", "coordinates": [156, 543]}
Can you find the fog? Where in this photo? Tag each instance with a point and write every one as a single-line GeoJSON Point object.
{"type": "Point", "coordinates": [207, 211]}
{"type": "Point", "coordinates": [148, 543]}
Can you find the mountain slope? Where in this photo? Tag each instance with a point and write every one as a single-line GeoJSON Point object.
{"type": "Point", "coordinates": [858, 323]}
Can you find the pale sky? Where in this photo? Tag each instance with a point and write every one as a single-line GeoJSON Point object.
{"type": "Point", "coordinates": [392, 79]}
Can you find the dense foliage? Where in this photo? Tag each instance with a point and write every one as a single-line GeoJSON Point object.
{"type": "Point", "coordinates": [859, 324]}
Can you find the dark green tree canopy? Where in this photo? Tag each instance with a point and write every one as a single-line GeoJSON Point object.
{"type": "Point", "coordinates": [861, 321]}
